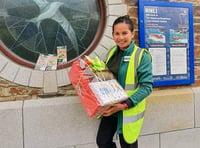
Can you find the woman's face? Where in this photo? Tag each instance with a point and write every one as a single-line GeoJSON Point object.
{"type": "Point", "coordinates": [122, 35]}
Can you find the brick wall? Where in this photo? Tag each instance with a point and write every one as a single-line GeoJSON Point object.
{"type": "Point", "coordinates": [10, 91]}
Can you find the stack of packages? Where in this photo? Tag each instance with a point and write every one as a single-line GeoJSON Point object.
{"type": "Point", "coordinates": [95, 85]}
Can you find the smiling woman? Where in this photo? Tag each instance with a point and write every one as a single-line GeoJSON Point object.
{"type": "Point", "coordinates": [33, 27]}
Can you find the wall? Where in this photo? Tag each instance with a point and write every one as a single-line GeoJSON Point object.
{"type": "Point", "coordinates": [171, 121]}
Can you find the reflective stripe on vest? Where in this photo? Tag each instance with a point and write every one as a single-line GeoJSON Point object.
{"type": "Point", "coordinates": [130, 119]}
{"type": "Point", "coordinates": [133, 118]}
{"type": "Point", "coordinates": [130, 86]}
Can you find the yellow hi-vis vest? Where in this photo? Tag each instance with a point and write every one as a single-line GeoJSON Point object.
{"type": "Point", "coordinates": [133, 117]}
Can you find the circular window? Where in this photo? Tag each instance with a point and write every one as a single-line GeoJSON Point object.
{"type": "Point", "coordinates": [33, 27]}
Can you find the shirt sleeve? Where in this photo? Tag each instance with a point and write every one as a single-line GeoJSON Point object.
{"type": "Point", "coordinates": [145, 81]}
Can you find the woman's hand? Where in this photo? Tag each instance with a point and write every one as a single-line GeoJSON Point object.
{"type": "Point", "coordinates": [113, 109]}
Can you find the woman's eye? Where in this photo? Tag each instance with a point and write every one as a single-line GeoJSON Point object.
{"type": "Point", "coordinates": [124, 33]}
{"type": "Point", "coordinates": [116, 33]}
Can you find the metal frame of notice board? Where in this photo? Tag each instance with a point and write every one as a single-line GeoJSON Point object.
{"type": "Point", "coordinates": [166, 30]}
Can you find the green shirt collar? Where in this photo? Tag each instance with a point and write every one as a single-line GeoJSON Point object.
{"type": "Point", "coordinates": [128, 50]}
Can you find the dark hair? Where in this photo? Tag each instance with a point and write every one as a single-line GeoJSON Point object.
{"type": "Point", "coordinates": [124, 19]}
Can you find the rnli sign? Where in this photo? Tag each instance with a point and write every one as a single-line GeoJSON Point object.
{"type": "Point", "coordinates": [166, 30]}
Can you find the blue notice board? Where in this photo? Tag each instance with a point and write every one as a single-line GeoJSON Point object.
{"type": "Point", "coordinates": [166, 30]}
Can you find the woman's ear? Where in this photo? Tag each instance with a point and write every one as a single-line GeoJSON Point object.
{"type": "Point", "coordinates": [133, 35]}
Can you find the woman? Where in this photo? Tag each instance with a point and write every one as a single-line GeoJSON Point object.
{"type": "Point", "coordinates": [132, 68]}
